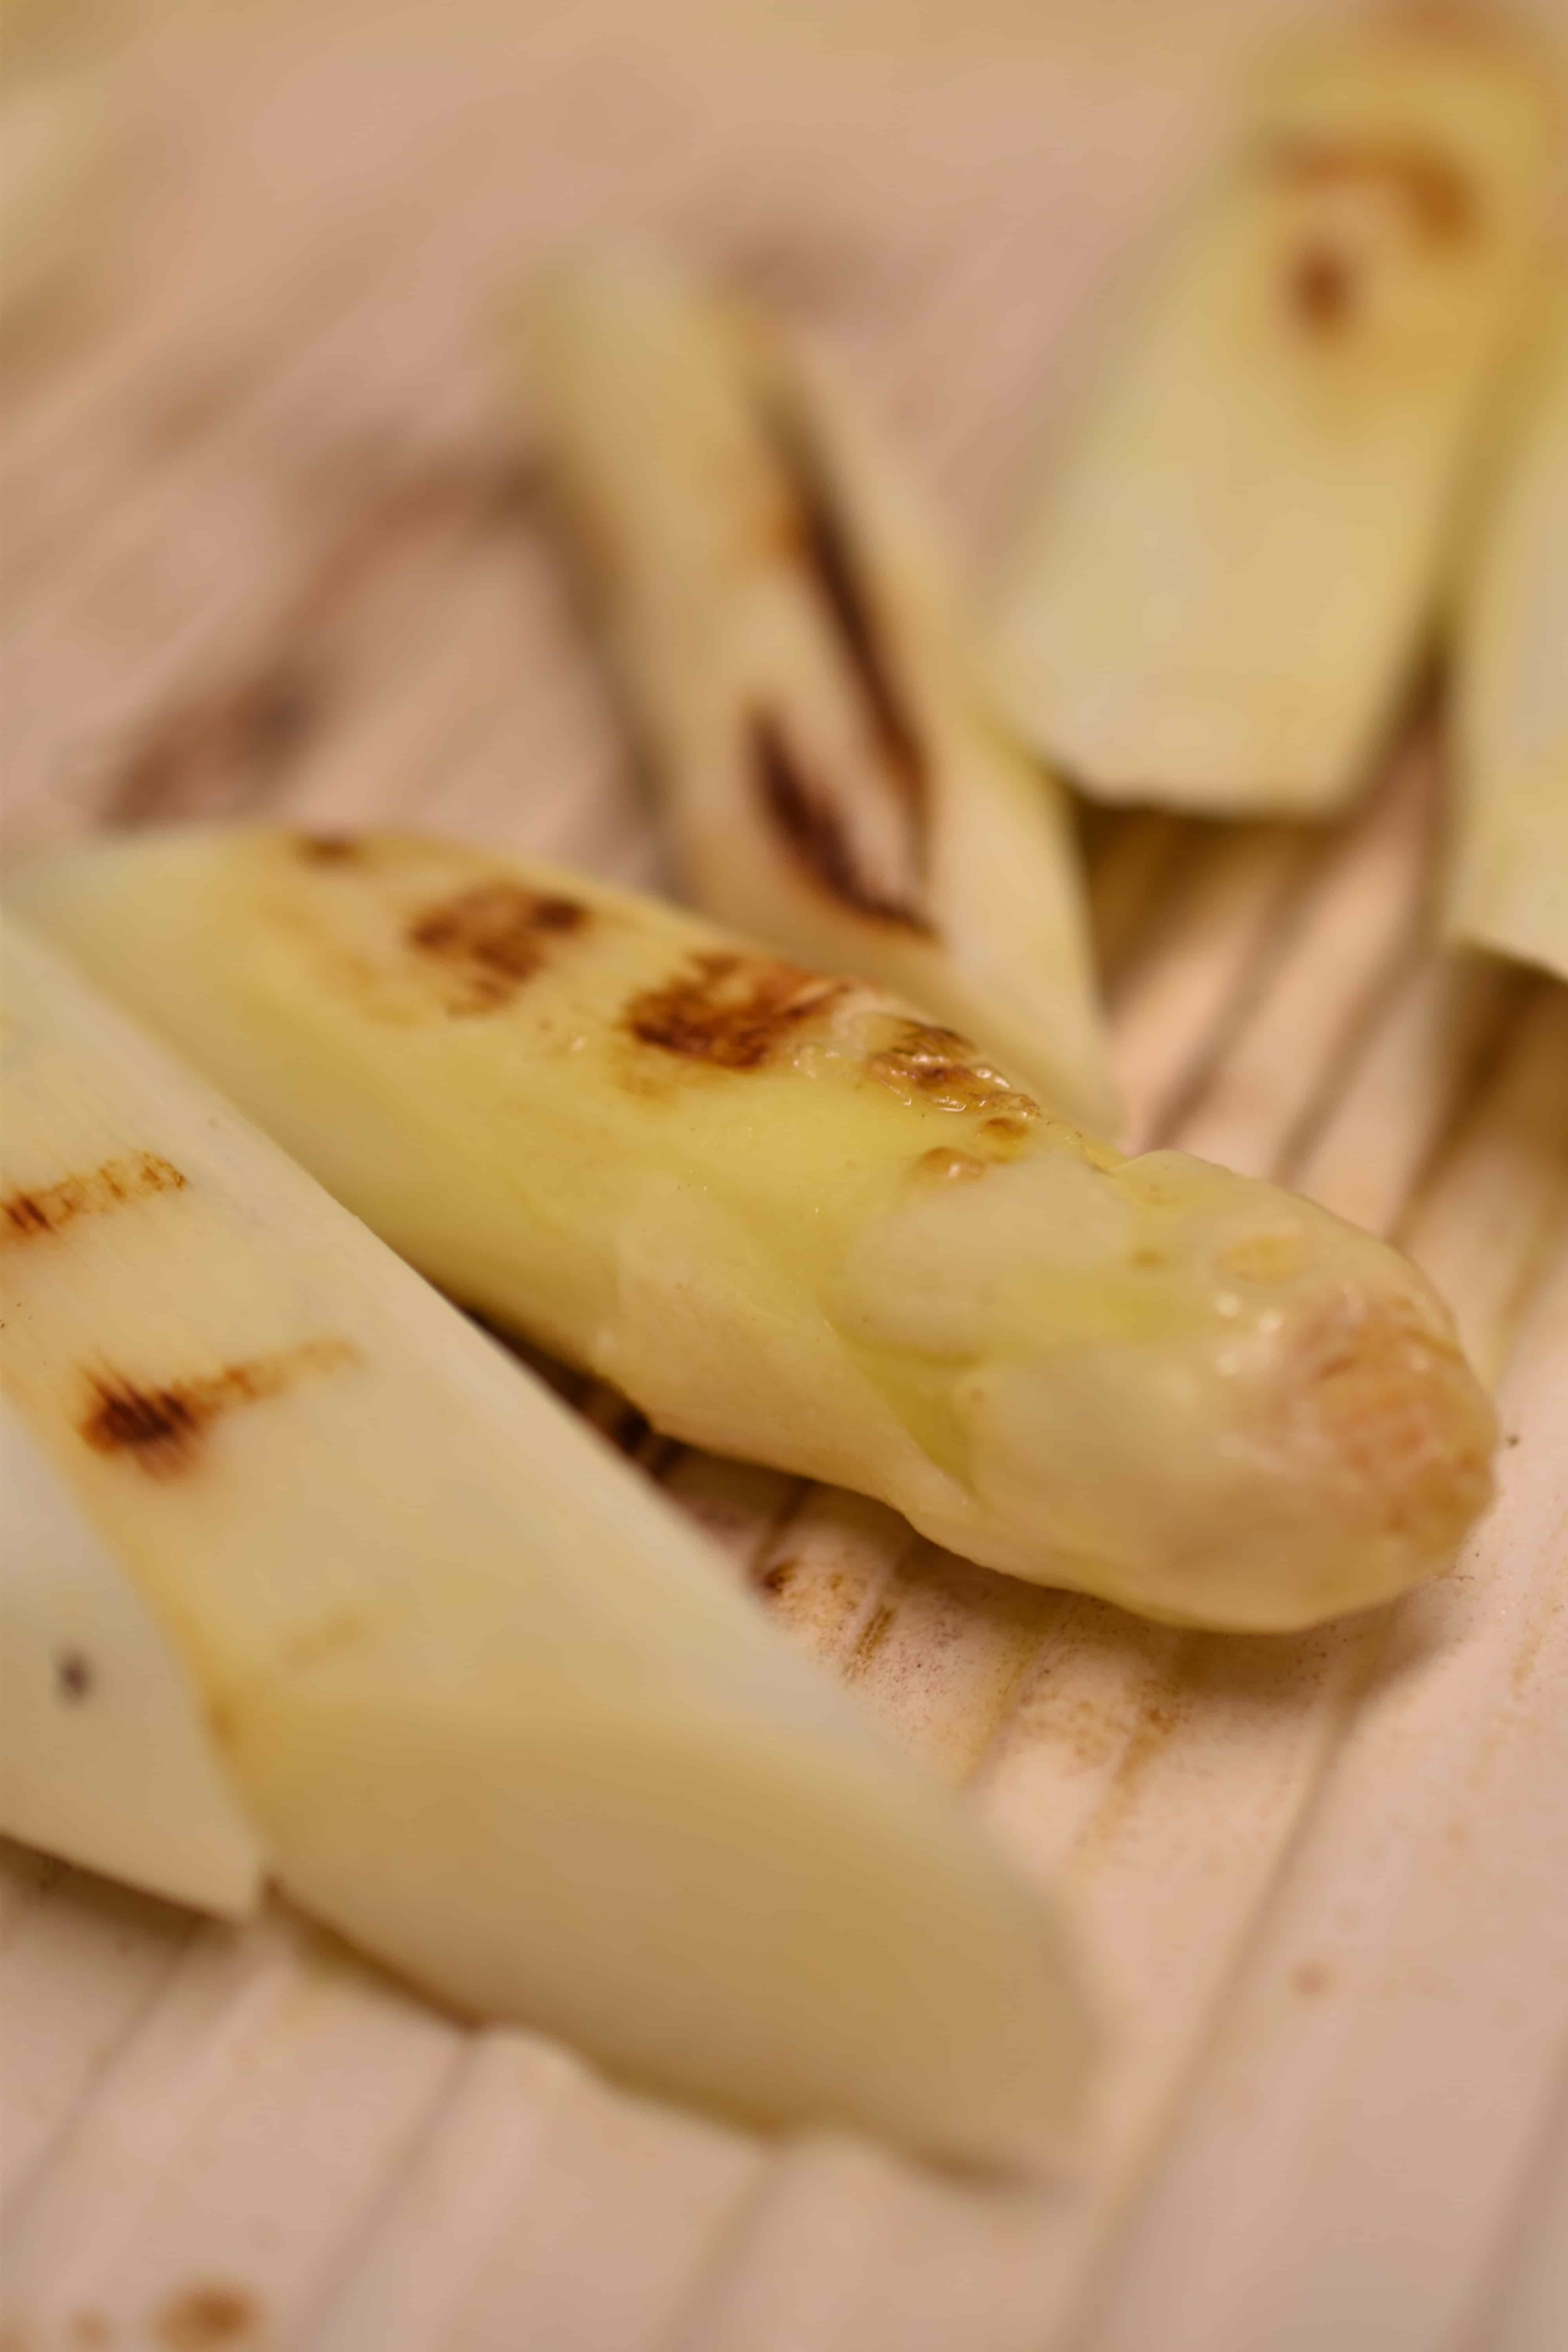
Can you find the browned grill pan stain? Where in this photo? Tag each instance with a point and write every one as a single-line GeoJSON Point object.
{"type": "Point", "coordinates": [222, 750]}
{"type": "Point", "coordinates": [211, 2317]}
{"type": "Point", "coordinates": [937, 1065]}
{"type": "Point", "coordinates": [1433, 193]}
{"type": "Point", "coordinates": [815, 830]}
{"type": "Point", "coordinates": [878, 1625]}
{"type": "Point", "coordinates": [160, 1429]}
{"type": "Point", "coordinates": [49, 1208]}
{"type": "Point", "coordinates": [493, 937]}
{"type": "Point", "coordinates": [227, 747]}
{"type": "Point", "coordinates": [731, 1012]}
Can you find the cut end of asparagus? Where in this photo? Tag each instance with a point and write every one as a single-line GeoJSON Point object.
{"type": "Point", "coordinates": [796, 1223]}
{"type": "Point", "coordinates": [789, 633]}
{"type": "Point", "coordinates": [1220, 599]}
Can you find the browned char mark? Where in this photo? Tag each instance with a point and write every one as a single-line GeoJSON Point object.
{"type": "Point", "coordinates": [731, 1012]}
{"type": "Point", "coordinates": [1436, 198]}
{"type": "Point", "coordinates": [48, 1208]}
{"type": "Point", "coordinates": [160, 1429]}
{"type": "Point", "coordinates": [491, 938]}
{"type": "Point", "coordinates": [1322, 289]}
{"type": "Point", "coordinates": [211, 2316]}
{"type": "Point", "coordinates": [923, 1063]}
{"type": "Point", "coordinates": [328, 849]}
{"type": "Point", "coordinates": [828, 549]}
{"type": "Point", "coordinates": [814, 830]}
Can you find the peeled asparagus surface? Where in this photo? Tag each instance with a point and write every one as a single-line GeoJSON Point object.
{"type": "Point", "coordinates": [493, 1709]}
{"type": "Point", "coordinates": [796, 1223]}
{"type": "Point", "coordinates": [780, 611]}
{"type": "Point", "coordinates": [105, 1756]}
{"type": "Point", "coordinates": [1217, 597]}
{"type": "Point", "coordinates": [1507, 883]}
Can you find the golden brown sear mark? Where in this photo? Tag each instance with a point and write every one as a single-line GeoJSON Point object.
{"type": "Point", "coordinates": [327, 849]}
{"type": "Point", "coordinates": [159, 1428]}
{"type": "Point", "coordinates": [731, 1012]}
{"type": "Point", "coordinates": [1437, 199]}
{"type": "Point", "coordinates": [48, 1208]}
{"type": "Point", "coordinates": [209, 2317]}
{"type": "Point", "coordinates": [925, 1064]}
{"type": "Point", "coordinates": [815, 830]}
{"type": "Point", "coordinates": [493, 937]}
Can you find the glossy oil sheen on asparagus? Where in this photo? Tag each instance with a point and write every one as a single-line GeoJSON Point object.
{"type": "Point", "coordinates": [795, 1223]}
{"type": "Point", "coordinates": [784, 620]}
{"type": "Point", "coordinates": [1219, 593]}
{"type": "Point", "coordinates": [487, 1706]}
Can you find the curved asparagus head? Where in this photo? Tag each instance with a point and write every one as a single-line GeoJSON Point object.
{"type": "Point", "coordinates": [493, 1709]}
{"type": "Point", "coordinates": [785, 622]}
{"type": "Point", "coordinates": [1217, 599]}
{"type": "Point", "coordinates": [1508, 885]}
{"type": "Point", "coordinates": [794, 1222]}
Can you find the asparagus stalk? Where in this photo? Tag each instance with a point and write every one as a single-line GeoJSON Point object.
{"type": "Point", "coordinates": [794, 1222]}
{"type": "Point", "coordinates": [1507, 881]}
{"type": "Point", "coordinates": [791, 640]}
{"type": "Point", "coordinates": [1218, 598]}
{"type": "Point", "coordinates": [493, 1710]}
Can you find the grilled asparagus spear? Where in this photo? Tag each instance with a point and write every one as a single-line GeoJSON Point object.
{"type": "Point", "coordinates": [782, 618]}
{"type": "Point", "coordinates": [492, 1708]}
{"type": "Point", "coordinates": [797, 1222]}
{"type": "Point", "coordinates": [1218, 597]}
{"type": "Point", "coordinates": [1508, 884]}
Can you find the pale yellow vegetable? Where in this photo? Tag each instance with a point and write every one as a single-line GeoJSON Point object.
{"type": "Point", "coordinates": [1218, 595]}
{"type": "Point", "coordinates": [64, 143]}
{"type": "Point", "coordinates": [1507, 881]}
{"type": "Point", "coordinates": [795, 1223]}
{"type": "Point", "coordinates": [496, 1711]}
{"type": "Point", "coordinates": [794, 652]}
{"type": "Point", "coordinates": [105, 1756]}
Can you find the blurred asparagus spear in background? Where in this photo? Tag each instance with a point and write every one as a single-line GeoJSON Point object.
{"type": "Point", "coordinates": [784, 619]}
{"type": "Point", "coordinates": [495, 1710]}
{"type": "Point", "coordinates": [65, 144]}
{"type": "Point", "coordinates": [1507, 882]}
{"type": "Point", "coordinates": [796, 1224]}
{"type": "Point", "coordinates": [1220, 592]}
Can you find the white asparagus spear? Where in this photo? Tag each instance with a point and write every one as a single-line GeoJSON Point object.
{"type": "Point", "coordinates": [795, 1223]}
{"type": "Point", "coordinates": [1218, 598]}
{"type": "Point", "coordinates": [796, 660]}
{"type": "Point", "coordinates": [105, 1756]}
{"type": "Point", "coordinates": [497, 1712]}
{"type": "Point", "coordinates": [1507, 881]}
{"type": "Point", "coordinates": [66, 148]}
